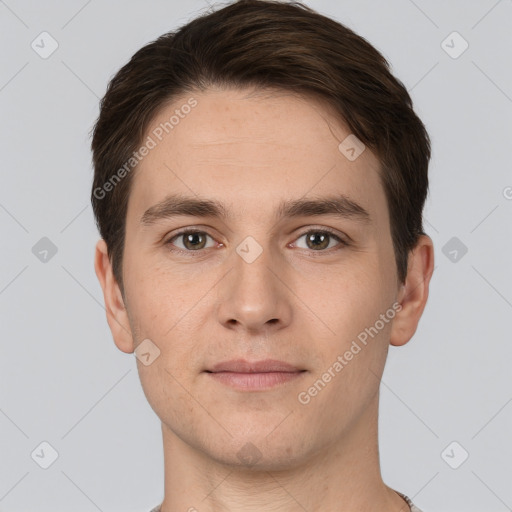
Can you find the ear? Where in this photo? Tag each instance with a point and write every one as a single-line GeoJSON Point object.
{"type": "Point", "coordinates": [117, 316]}
{"type": "Point", "coordinates": [413, 293]}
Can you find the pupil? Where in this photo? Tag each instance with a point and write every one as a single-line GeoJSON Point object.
{"type": "Point", "coordinates": [190, 239]}
{"type": "Point", "coordinates": [323, 237]}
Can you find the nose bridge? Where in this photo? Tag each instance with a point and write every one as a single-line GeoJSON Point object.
{"type": "Point", "coordinates": [252, 294]}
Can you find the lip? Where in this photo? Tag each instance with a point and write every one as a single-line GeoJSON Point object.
{"type": "Point", "coordinates": [244, 366]}
{"type": "Point", "coordinates": [254, 376]}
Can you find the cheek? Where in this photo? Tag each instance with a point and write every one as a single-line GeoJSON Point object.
{"type": "Point", "coordinates": [352, 302]}
{"type": "Point", "coordinates": [356, 287]}
{"type": "Point", "coordinates": [155, 294]}
{"type": "Point", "coordinates": [163, 307]}
{"type": "Point", "coordinates": [167, 396]}
{"type": "Point", "coordinates": [354, 357]}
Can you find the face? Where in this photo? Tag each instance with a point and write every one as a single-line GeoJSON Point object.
{"type": "Point", "coordinates": [266, 278]}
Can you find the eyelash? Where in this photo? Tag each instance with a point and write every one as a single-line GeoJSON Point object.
{"type": "Point", "coordinates": [341, 245]}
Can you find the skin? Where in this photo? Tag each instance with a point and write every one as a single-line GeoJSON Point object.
{"type": "Point", "coordinates": [294, 303]}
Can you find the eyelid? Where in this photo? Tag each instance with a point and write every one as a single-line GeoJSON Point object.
{"type": "Point", "coordinates": [343, 241]}
{"type": "Point", "coordinates": [186, 231]}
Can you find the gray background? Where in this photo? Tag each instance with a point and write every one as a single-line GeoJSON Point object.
{"type": "Point", "coordinates": [63, 381]}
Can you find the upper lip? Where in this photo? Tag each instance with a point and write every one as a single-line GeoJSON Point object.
{"type": "Point", "coordinates": [243, 366]}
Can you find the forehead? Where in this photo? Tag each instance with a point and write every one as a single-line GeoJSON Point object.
{"type": "Point", "coordinates": [246, 148]}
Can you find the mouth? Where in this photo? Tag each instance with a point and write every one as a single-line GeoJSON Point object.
{"type": "Point", "coordinates": [254, 376]}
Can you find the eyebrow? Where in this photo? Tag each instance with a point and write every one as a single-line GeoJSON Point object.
{"type": "Point", "coordinates": [178, 205]}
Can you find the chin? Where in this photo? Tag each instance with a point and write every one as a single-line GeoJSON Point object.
{"type": "Point", "coordinates": [258, 456]}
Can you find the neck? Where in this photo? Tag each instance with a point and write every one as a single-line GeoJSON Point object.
{"type": "Point", "coordinates": [343, 476]}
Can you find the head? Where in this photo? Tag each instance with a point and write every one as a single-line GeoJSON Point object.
{"type": "Point", "coordinates": [261, 126]}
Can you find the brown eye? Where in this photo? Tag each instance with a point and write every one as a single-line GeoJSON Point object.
{"type": "Point", "coordinates": [319, 240]}
{"type": "Point", "coordinates": [191, 240]}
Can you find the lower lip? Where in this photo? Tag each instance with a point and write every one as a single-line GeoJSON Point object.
{"type": "Point", "coordinates": [254, 381]}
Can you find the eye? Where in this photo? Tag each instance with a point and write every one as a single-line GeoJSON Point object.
{"type": "Point", "coordinates": [319, 239]}
{"type": "Point", "coordinates": [193, 240]}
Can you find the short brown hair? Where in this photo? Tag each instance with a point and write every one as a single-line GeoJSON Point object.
{"type": "Point", "coordinates": [265, 44]}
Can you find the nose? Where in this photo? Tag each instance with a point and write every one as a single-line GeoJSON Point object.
{"type": "Point", "coordinates": [253, 296]}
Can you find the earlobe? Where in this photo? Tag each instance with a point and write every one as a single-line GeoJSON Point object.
{"type": "Point", "coordinates": [413, 294]}
{"type": "Point", "coordinates": [117, 316]}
